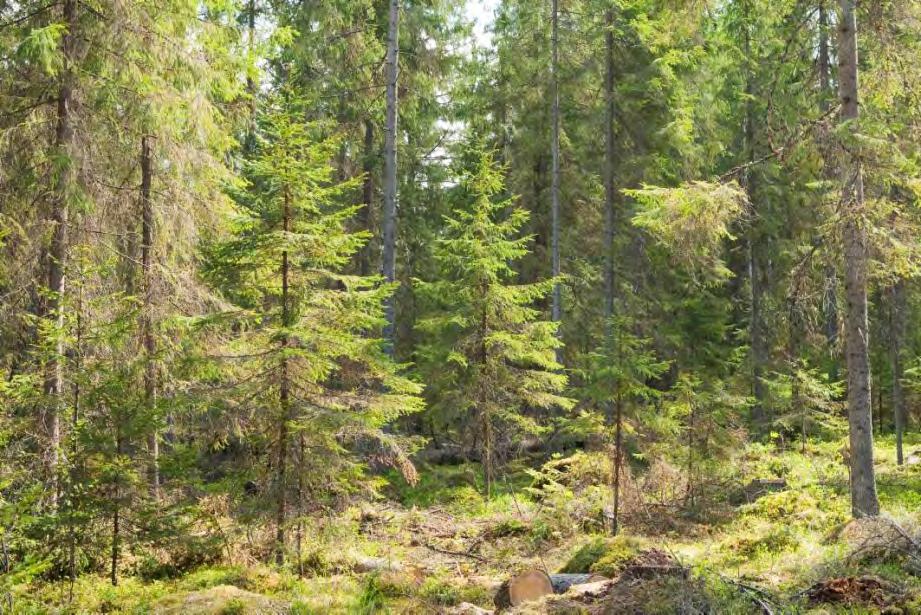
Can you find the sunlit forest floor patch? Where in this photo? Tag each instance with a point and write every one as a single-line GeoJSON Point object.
{"type": "Point", "coordinates": [440, 546]}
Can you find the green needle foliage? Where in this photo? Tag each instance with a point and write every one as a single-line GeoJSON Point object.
{"type": "Point", "coordinates": [310, 377]}
{"type": "Point", "coordinates": [488, 359]}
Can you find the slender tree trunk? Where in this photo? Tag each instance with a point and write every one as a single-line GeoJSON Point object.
{"type": "Point", "coordinates": [556, 308]}
{"type": "Point", "coordinates": [609, 192]}
{"type": "Point", "coordinates": [116, 505]}
{"type": "Point", "coordinates": [389, 234]}
{"type": "Point", "coordinates": [618, 456]}
{"type": "Point", "coordinates": [489, 452]}
{"type": "Point", "coordinates": [488, 456]}
{"type": "Point", "coordinates": [896, 336]}
{"type": "Point", "coordinates": [759, 349]}
{"type": "Point", "coordinates": [609, 196]}
{"type": "Point", "coordinates": [250, 142]}
{"type": "Point", "coordinates": [74, 443]}
{"type": "Point", "coordinates": [147, 324]}
{"type": "Point", "coordinates": [301, 448]}
{"type": "Point", "coordinates": [879, 410]}
{"type": "Point", "coordinates": [692, 481]}
{"type": "Point", "coordinates": [796, 404]}
{"type": "Point", "coordinates": [367, 196]}
{"type": "Point", "coordinates": [284, 397]}
{"type": "Point", "coordinates": [864, 501]}
{"type": "Point", "coordinates": [830, 302]}
{"type": "Point", "coordinates": [58, 250]}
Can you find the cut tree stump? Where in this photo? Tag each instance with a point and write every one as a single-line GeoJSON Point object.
{"type": "Point", "coordinates": [527, 586]}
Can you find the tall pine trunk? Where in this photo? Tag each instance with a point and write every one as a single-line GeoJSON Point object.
{"type": "Point", "coordinates": [389, 223]}
{"type": "Point", "coordinates": [864, 501]}
{"type": "Point", "coordinates": [896, 337]}
{"type": "Point", "coordinates": [556, 308]}
{"type": "Point", "coordinates": [147, 324]}
{"type": "Point", "coordinates": [58, 249]}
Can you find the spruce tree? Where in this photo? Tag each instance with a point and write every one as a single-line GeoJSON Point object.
{"type": "Point", "coordinates": [307, 361]}
{"type": "Point", "coordinates": [488, 360]}
{"type": "Point", "coordinates": [617, 379]}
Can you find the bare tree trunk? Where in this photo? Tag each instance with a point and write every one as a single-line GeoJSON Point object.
{"type": "Point", "coordinates": [609, 196]}
{"type": "Point", "coordinates": [618, 456]}
{"type": "Point", "coordinates": [556, 308]}
{"type": "Point", "coordinates": [489, 452]}
{"type": "Point", "coordinates": [250, 142]}
{"type": "Point", "coordinates": [864, 500]}
{"type": "Point", "coordinates": [284, 397]}
{"type": "Point", "coordinates": [58, 250]}
{"type": "Point", "coordinates": [830, 302]}
{"type": "Point", "coordinates": [609, 192]}
{"type": "Point", "coordinates": [796, 403]}
{"type": "Point", "coordinates": [74, 443]}
{"type": "Point", "coordinates": [896, 335]}
{"type": "Point", "coordinates": [147, 325]}
{"type": "Point", "coordinates": [116, 503]}
{"type": "Point", "coordinates": [692, 481]}
{"type": "Point", "coordinates": [367, 198]}
{"type": "Point", "coordinates": [389, 234]}
{"type": "Point", "coordinates": [301, 448]}
{"type": "Point", "coordinates": [759, 349]}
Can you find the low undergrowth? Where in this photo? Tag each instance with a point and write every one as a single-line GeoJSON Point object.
{"type": "Point", "coordinates": [452, 545]}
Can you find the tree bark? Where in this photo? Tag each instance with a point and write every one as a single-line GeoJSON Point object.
{"type": "Point", "coordinates": [896, 337]}
{"type": "Point", "coordinates": [556, 308]}
{"type": "Point", "coordinates": [389, 231]}
{"type": "Point", "coordinates": [58, 249]}
{"type": "Point", "coordinates": [618, 456]}
{"type": "Point", "coordinates": [147, 324]}
{"type": "Point", "coordinates": [367, 196]}
{"type": "Point", "coordinates": [864, 500]}
{"type": "Point", "coordinates": [759, 348]}
{"type": "Point", "coordinates": [609, 193]}
{"type": "Point", "coordinates": [74, 443]}
{"type": "Point", "coordinates": [830, 301]}
{"type": "Point", "coordinates": [284, 397]}
{"type": "Point", "coordinates": [249, 144]}
{"type": "Point", "coordinates": [116, 505]}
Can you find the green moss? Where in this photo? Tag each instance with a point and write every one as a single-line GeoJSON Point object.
{"type": "Point", "coordinates": [620, 550]}
{"type": "Point", "coordinates": [603, 555]}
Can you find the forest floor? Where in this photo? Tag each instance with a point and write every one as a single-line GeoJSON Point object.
{"type": "Point", "coordinates": [440, 546]}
